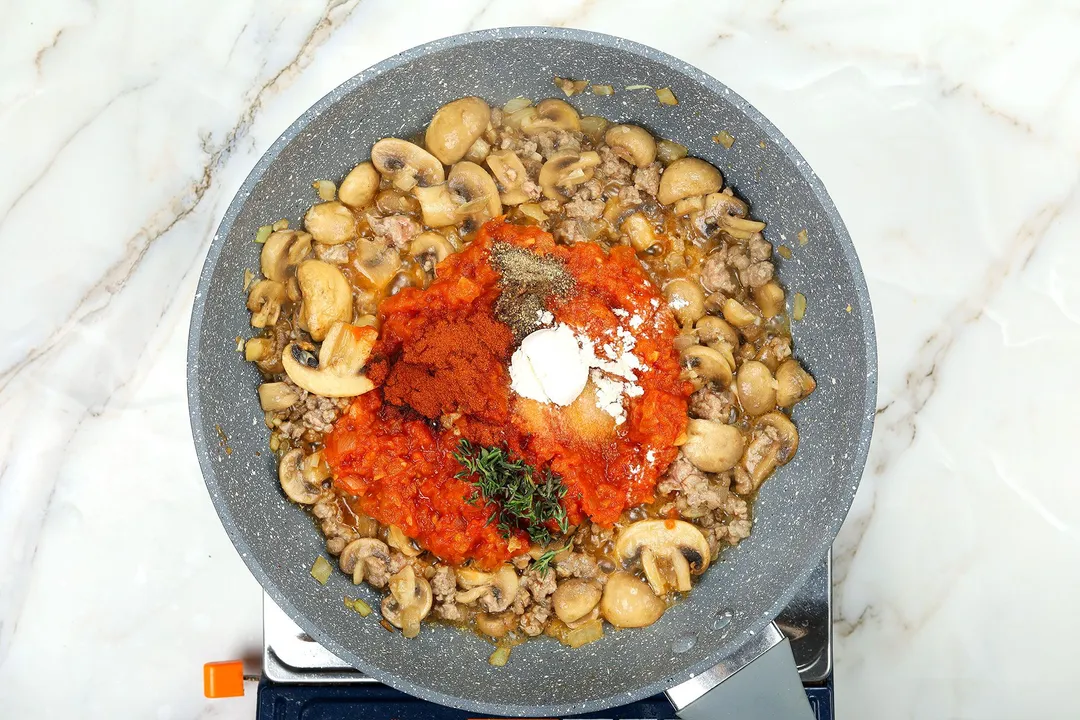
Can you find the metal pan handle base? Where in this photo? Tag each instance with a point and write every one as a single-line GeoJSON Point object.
{"type": "Point", "coordinates": [759, 682]}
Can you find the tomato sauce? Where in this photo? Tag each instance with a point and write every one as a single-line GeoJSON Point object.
{"type": "Point", "coordinates": [397, 456]}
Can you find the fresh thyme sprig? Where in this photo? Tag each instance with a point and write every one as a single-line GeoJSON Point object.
{"type": "Point", "coordinates": [543, 563]}
{"type": "Point", "coordinates": [520, 501]}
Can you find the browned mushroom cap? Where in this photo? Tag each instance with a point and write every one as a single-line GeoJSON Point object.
{"type": "Point", "coordinates": [566, 170]}
{"type": "Point", "coordinates": [687, 177]}
{"type": "Point", "coordinates": [301, 480]}
{"type": "Point", "coordinates": [327, 296]}
{"type": "Point", "coordinates": [755, 387]}
{"type": "Point", "coordinates": [628, 602]}
{"type": "Point", "coordinates": [551, 114]}
{"type": "Point", "coordinates": [264, 302]}
{"type": "Point", "coordinates": [793, 383]}
{"type": "Point", "coordinates": [359, 186]}
{"type": "Point", "coordinates": [575, 598]}
{"type": "Point", "coordinates": [354, 558]}
{"type": "Point", "coordinates": [455, 127]}
{"type": "Point", "coordinates": [632, 143]}
{"type": "Point", "coordinates": [405, 164]}
{"type": "Point", "coordinates": [712, 446]}
{"type": "Point", "coordinates": [330, 223]}
{"type": "Point", "coordinates": [282, 251]}
{"type": "Point", "coordinates": [511, 176]}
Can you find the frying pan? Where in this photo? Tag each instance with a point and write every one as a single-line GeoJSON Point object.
{"type": "Point", "coordinates": [798, 512]}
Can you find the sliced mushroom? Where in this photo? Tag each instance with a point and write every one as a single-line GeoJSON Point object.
{"type": "Point", "coordinates": [429, 249]}
{"type": "Point", "coordinates": [283, 250]}
{"type": "Point", "coordinates": [575, 598]}
{"type": "Point", "coordinates": [504, 590]}
{"type": "Point", "coordinates": [299, 486]}
{"type": "Point", "coordinates": [264, 302]}
{"type": "Point", "coordinates": [711, 329]}
{"type": "Point", "coordinates": [640, 232]}
{"type": "Point", "coordinates": [355, 557]}
{"type": "Point", "coordinates": [707, 365]}
{"type": "Point", "coordinates": [629, 603]}
{"type": "Point", "coordinates": [566, 170]}
{"type": "Point", "coordinates": [395, 202]}
{"type": "Point", "coordinates": [258, 349]}
{"type": "Point", "coordinates": [687, 177]}
{"type": "Point", "coordinates": [358, 188]}
{"type": "Point", "coordinates": [551, 114]}
{"type": "Point", "coordinates": [406, 164]}
{"type": "Point", "coordinates": [496, 625]}
{"type": "Point", "coordinates": [327, 296]}
{"type": "Point", "coordinates": [773, 442]}
{"type": "Point", "coordinates": [402, 542]}
{"type": "Point", "coordinates": [455, 127]}
{"type": "Point", "coordinates": [478, 151]}
{"type": "Point", "coordinates": [713, 446]}
{"type": "Point", "coordinates": [755, 387]}
{"type": "Point", "coordinates": [737, 314]}
{"type": "Point", "coordinates": [336, 372]}
{"type": "Point", "coordinates": [377, 262]}
{"type": "Point", "coordinates": [793, 383]}
{"type": "Point", "coordinates": [669, 550]}
{"type": "Point", "coordinates": [330, 223]}
{"type": "Point", "coordinates": [438, 205]}
{"type": "Point", "coordinates": [468, 597]}
{"type": "Point", "coordinates": [468, 578]}
{"type": "Point", "coordinates": [277, 396]}
{"type": "Point", "coordinates": [633, 144]}
{"type": "Point", "coordinates": [770, 299]}
{"type": "Point", "coordinates": [686, 299]}
{"type": "Point", "coordinates": [476, 191]}
{"type": "Point", "coordinates": [407, 611]}
{"type": "Point", "coordinates": [721, 204]}
{"type": "Point", "coordinates": [510, 174]}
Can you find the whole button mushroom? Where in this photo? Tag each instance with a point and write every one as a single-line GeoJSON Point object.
{"type": "Point", "coordinates": [713, 446]}
{"type": "Point", "coordinates": [630, 603]}
{"type": "Point", "coordinates": [327, 296]}
{"type": "Point", "coordinates": [756, 388]}
{"type": "Point", "coordinates": [455, 127]}
{"type": "Point", "coordinates": [687, 177]}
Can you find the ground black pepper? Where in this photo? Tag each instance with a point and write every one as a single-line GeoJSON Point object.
{"type": "Point", "coordinates": [529, 281]}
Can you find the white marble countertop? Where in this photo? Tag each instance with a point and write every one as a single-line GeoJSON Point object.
{"type": "Point", "coordinates": [947, 132]}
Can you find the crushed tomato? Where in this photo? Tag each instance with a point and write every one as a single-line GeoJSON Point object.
{"type": "Point", "coordinates": [399, 462]}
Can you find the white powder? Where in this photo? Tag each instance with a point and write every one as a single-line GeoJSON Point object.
{"type": "Point", "coordinates": [549, 366]}
{"type": "Point", "coordinates": [545, 317]}
{"type": "Point", "coordinates": [678, 303]}
{"type": "Point", "coordinates": [650, 456]}
{"type": "Point", "coordinates": [636, 321]}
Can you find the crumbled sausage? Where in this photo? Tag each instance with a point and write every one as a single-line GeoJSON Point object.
{"type": "Point", "coordinates": [540, 585]}
{"type": "Point", "coordinates": [577, 565]}
{"type": "Point", "coordinates": [647, 179]}
{"type": "Point", "coordinates": [711, 405]}
{"type": "Point", "coordinates": [396, 230]}
{"type": "Point", "coordinates": [695, 494]}
{"type": "Point", "coordinates": [757, 274]}
{"type": "Point", "coordinates": [553, 141]}
{"type": "Point", "coordinates": [612, 167]}
{"type": "Point", "coordinates": [716, 276]}
{"type": "Point", "coordinates": [533, 621]}
{"type": "Point", "coordinates": [738, 257]}
{"type": "Point", "coordinates": [760, 249]}
{"type": "Point", "coordinates": [444, 583]}
{"type": "Point", "coordinates": [586, 209]}
{"type": "Point", "coordinates": [630, 195]}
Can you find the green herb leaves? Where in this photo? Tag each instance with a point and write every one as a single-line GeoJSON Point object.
{"type": "Point", "coordinates": [521, 501]}
{"type": "Point", "coordinates": [543, 563]}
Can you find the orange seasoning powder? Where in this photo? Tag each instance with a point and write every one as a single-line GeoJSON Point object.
{"type": "Point", "coordinates": [441, 373]}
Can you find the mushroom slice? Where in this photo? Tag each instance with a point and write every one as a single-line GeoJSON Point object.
{"type": "Point", "coordinates": [358, 188]}
{"type": "Point", "coordinates": [504, 590]}
{"type": "Point", "coordinates": [496, 625]}
{"type": "Point", "coordinates": [399, 540]}
{"type": "Point", "coordinates": [575, 599]}
{"type": "Point", "coordinates": [476, 191]}
{"type": "Point", "coordinates": [376, 261]}
{"type": "Point", "coordinates": [264, 302]}
{"type": "Point", "coordinates": [455, 127]}
{"type": "Point", "coordinates": [429, 249]}
{"type": "Point", "coordinates": [687, 177]}
{"type": "Point", "coordinates": [354, 558]}
{"type": "Point", "coordinates": [677, 543]}
{"type": "Point", "coordinates": [330, 223]}
{"type": "Point", "coordinates": [510, 174]}
{"type": "Point", "coordinates": [406, 164]}
{"type": "Point", "coordinates": [408, 616]}
{"type": "Point", "coordinates": [437, 204]}
{"type": "Point", "coordinates": [468, 597]}
{"type": "Point", "coordinates": [551, 114]}
{"type": "Point", "coordinates": [565, 170]}
{"type": "Point", "coordinates": [707, 365]}
{"type": "Point", "coordinates": [298, 485]}
{"type": "Point", "coordinates": [632, 143]}
{"type": "Point", "coordinates": [712, 446]}
{"type": "Point", "coordinates": [277, 396]}
{"type": "Point", "coordinates": [336, 372]}
{"type": "Point", "coordinates": [468, 578]}
{"type": "Point", "coordinates": [327, 296]}
{"type": "Point", "coordinates": [629, 603]}
{"type": "Point", "coordinates": [283, 250]}
{"type": "Point", "coordinates": [773, 442]}
{"type": "Point", "coordinates": [793, 383]}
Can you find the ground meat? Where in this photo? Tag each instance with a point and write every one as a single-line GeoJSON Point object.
{"type": "Point", "coordinates": [590, 190]}
{"type": "Point", "coordinates": [612, 167]}
{"type": "Point", "coordinates": [630, 195]}
{"type": "Point", "coordinates": [738, 257]}
{"type": "Point", "coordinates": [531, 189]}
{"type": "Point", "coordinates": [757, 274]}
{"type": "Point", "coordinates": [451, 612]}
{"type": "Point", "coordinates": [570, 231]}
{"type": "Point", "coordinates": [577, 565]}
{"type": "Point", "coordinates": [539, 585]}
{"type": "Point", "coordinates": [760, 249]}
{"type": "Point", "coordinates": [535, 618]}
{"type": "Point", "coordinates": [716, 276]}
{"type": "Point", "coordinates": [535, 613]}
{"type": "Point", "coordinates": [695, 494]}
{"type": "Point", "coordinates": [587, 209]}
{"type": "Point", "coordinates": [444, 584]}
{"type": "Point", "coordinates": [738, 530]}
{"type": "Point", "coordinates": [711, 405]}
{"type": "Point", "coordinates": [336, 254]}
{"type": "Point", "coordinates": [647, 179]}
{"type": "Point", "coordinates": [550, 206]}
{"type": "Point", "coordinates": [396, 230]}
{"type": "Point", "coordinates": [320, 413]}
{"type": "Point", "coordinates": [553, 141]}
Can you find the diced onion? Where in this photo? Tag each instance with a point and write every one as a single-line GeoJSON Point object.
{"type": "Point", "coordinates": [668, 152]}
{"type": "Point", "coordinates": [281, 224]}
{"type": "Point", "coordinates": [724, 138]}
{"type": "Point", "coordinates": [248, 277]}
{"type": "Point", "coordinates": [516, 104]}
{"type": "Point", "coordinates": [263, 234]}
{"type": "Point", "coordinates": [603, 90]}
{"type": "Point", "coordinates": [584, 634]}
{"type": "Point", "coordinates": [533, 211]}
{"type": "Point", "coordinates": [639, 87]}
{"type": "Point", "coordinates": [500, 656]}
{"type": "Point", "coordinates": [327, 190]}
{"type": "Point", "coordinates": [321, 570]}
{"type": "Point", "coordinates": [785, 252]}
{"type": "Point", "coordinates": [358, 606]}
{"type": "Point", "coordinates": [803, 236]}
{"type": "Point", "coordinates": [798, 308]}
{"type": "Point", "coordinates": [666, 96]}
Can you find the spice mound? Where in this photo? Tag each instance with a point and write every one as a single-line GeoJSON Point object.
{"type": "Point", "coordinates": [559, 360]}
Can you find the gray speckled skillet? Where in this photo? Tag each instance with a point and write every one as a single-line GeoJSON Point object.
{"type": "Point", "coordinates": [799, 510]}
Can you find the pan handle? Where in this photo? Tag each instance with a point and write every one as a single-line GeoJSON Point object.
{"type": "Point", "coordinates": [759, 682]}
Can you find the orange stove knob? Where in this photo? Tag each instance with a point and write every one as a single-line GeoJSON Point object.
{"type": "Point", "coordinates": [223, 679]}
